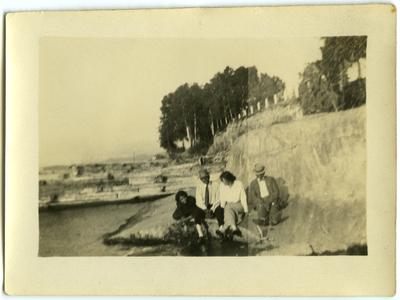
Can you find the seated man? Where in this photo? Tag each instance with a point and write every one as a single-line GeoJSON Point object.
{"type": "Point", "coordinates": [186, 208]}
{"type": "Point", "coordinates": [264, 193]}
{"type": "Point", "coordinates": [207, 197]}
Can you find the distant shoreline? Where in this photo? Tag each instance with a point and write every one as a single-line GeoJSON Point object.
{"type": "Point", "coordinates": [99, 202]}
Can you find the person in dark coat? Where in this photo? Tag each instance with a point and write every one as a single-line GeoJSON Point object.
{"type": "Point", "coordinates": [264, 193]}
{"type": "Point", "coordinates": [186, 208]}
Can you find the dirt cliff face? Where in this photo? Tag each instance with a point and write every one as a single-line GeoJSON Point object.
{"type": "Point", "coordinates": [320, 161]}
{"type": "Point", "coordinates": [320, 164]}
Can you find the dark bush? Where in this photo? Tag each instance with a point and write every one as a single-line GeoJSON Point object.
{"type": "Point", "coordinates": [54, 198]}
{"type": "Point", "coordinates": [160, 179]}
{"type": "Point", "coordinates": [322, 101]}
{"type": "Point", "coordinates": [200, 148]}
{"type": "Point", "coordinates": [354, 94]}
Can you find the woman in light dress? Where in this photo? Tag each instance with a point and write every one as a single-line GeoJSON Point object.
{"type": "Point", "coordinates": [232, 197]}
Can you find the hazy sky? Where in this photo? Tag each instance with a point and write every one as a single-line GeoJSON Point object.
{"type": "Point", "coordinates": [101, 98]}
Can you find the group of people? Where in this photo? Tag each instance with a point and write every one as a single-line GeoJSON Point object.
{"type": "Point", "coordinates": [226, 201]}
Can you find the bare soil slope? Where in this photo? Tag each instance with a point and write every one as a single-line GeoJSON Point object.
{"type": "Point", "coordinates": [320, 161]}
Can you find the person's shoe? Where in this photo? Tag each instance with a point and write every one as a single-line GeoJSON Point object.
{"type": "Point", "coordinates": [220, 234]}
{"type": "Point", "coordinates": [274, 223]}
{"type": "Point", "coordinates": [228, 235]}
{"type": "Point", "coordinates": [237, 232]}
{"type": "Point", "coordinates": [201, 240]}
{"type": "Point", "coordinates": [261, 222]}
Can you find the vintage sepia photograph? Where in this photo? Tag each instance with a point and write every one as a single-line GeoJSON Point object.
{"type": "Point", "coordinates": [200, 151]}
{"type": "Point", "coordinates": [202, 147]}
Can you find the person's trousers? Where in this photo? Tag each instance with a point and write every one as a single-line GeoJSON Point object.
{"type": "Point", "coordinates": [269, 212]}
{"type": "Point", "coordinates": [198, 215]}
{"type": "Point", "coordinates": [263, 211]}
{"type": "Point", "coordinates": [232, 213]}
{"type": "Point", "coordinates": [219, 215]}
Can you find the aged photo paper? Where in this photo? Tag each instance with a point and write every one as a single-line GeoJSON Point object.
{"type": "Point", "coordinates": [204, 151]}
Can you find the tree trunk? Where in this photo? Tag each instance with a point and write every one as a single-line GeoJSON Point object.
{"type": "Point", "coordinates": [359, 69]}
{"type": "Point", "coordinates": [342, 74]}
{"type": "Point", "coordinates": [195, 129]}
{"type": "Point", "coordinates": [211, 123]}
{"type": "Point", "coordinates": [225, 118]}
{"type": "Point", "coordinates": [231, 114]}
{"type": "Point", "coordinates": [188, 135]}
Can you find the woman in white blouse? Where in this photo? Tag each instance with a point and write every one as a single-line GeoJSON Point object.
{"type": "Point", "coordinates": [233, 199]}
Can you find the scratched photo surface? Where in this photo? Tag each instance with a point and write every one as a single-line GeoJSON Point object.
{"type": "Point", "coordinates": [248, 147]}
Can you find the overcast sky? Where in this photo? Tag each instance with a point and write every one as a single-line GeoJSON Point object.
{"type": "Point", "coordinates": [101, 98]}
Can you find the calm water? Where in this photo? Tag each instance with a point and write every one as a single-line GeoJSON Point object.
{"type": "Point", "coordinates": [79, 231]}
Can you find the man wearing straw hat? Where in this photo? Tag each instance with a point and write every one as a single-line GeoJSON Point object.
{"type": "Point", "coordinates": [264, 193]}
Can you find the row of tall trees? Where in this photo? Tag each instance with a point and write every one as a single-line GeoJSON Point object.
{"type": "Point", "coordinates": [195, 113]}
{"type": "Point", "coordinates": [325, 86]}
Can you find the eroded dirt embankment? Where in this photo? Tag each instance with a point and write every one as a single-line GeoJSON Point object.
{"type": "Point", "coordinates": [320, 162]}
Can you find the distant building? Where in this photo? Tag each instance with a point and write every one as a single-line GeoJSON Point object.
{"type": "Point", "coordinates": [77, 171]}
{"type": "Point", "coordinates": [357, 70]}
{"type": "Point", "coordinates": [159, 156]}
